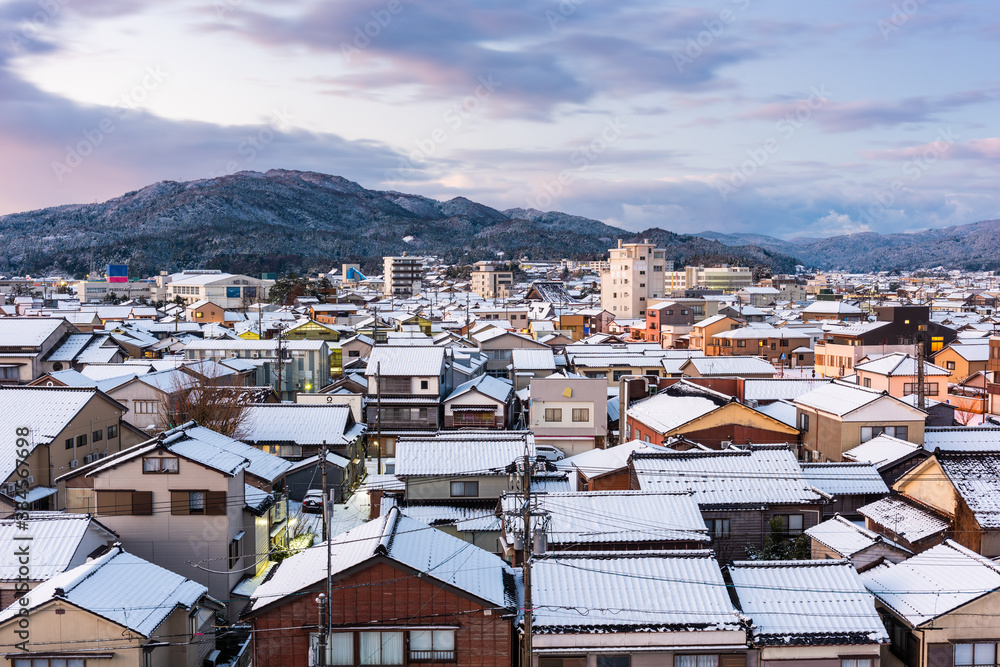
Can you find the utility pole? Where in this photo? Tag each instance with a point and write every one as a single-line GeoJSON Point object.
{"type": "Point", "coordinates": [921, 398]}
{"type": "Point", "coordinates": [326, 518]}
{"type": "Point", "coordinates": [328, 531]}
{"type": "Point", "coordinates": [378, 416]}
{"type": "Point", "coordinates": [526, 558]}
{"type": "Point", "coordinates": [321, 602]}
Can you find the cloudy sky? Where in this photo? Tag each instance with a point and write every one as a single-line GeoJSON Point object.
{"type": "Point", "coordinates": [786, 118]}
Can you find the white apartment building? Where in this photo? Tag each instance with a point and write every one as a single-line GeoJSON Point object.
{"type": "Point", "coordinates": [726, 278]}
{"type": "Point", "coordinates": [403, 276]}
{"type": "Point", "coordinates": [635, 275]}
{"type": "Point", "coordinates": [490, 282]}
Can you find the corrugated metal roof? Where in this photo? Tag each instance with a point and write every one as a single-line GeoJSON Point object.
{"type": "Point", "coordinates": [122, 588]}
{"type": "Point", "coordinates": [405, 361]}
{"type": "Point", "coordinates": [735, 366]}
{"type": "Point", "coordinates": [533, 360]}
{"type": "Point", "coordinates": [663, 412]}
{"type": "Point", "coordinates": [426, 549]}
{"type": "Point", "coordinates": [764, 389]}
{"type": "Point", "coordinates": [883, 451]}
{"type": "Point", "coordinates": [910, 523]}
{"type": "Point", "coordinates": [898, 364]}
{"type": "Point", "coordinates": [630, 591]}
{"type": "Point", "coordinates": [962, 439]}
{"type": "Point", "coordinates": [27, 331]}
{"type": "Point", "coordinates": [933, 583]}
{"type": "Point", "coordinates": [70, 347]}
{"type": "Point", "coordinates": [612, 516]}
{"type": "Point", "coordinates": [55, 543]}
{"type": "Point", "coordinates": [816, 602]}
{"type": "Point", "coordinates": [461, 453]}
{"type": "Point", "coordinates": [838, 398]}
{"type": "Point", "coordinates": [496, 388]}
{"type": "Point", "coordinates": [846, 537]}
{"type": "Point", "coordinates": [299, 423]}
{"type": "Point", "coordinates": [759, 476]}
{"type": "Point", "coordinates": [839, 479]}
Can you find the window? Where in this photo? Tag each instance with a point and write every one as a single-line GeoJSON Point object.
{"type": "Point", "coordinates": [949, 365]}
{"type": "Point", "coordinates": [581, 414]}
{"type": "Point", "coordinates": [113, 431]}
{"type": "Point", "coordinates": [464, 489]}
{"type": "Point", "coordinates": [354, 353]}
{"type": "Point", "coordinates": [9, 373]}
{"type": "Point", "coordinates": [97, 436]}
{"type": "Point", "coordinates": [784, 342]}
{"type": "Point", "coordinates": [234, 553]}
{"type": "Point", "coordinates": [145, 407]}
{"type": "Point", "coordinates": [717, 528]}
{"type": "Point", "coordinates": [820, 359]}
{"type": "Point", "coordinates": [69, 443]}
{"type": "Point", "coordinates": [869, 432]}
{"type": "Point", "coordinates": [855, 662]}
{"type": "Point", "coordinates": [868, 383]}
{"type": "Point", "coordinates": [804, 422]}
{"type": "Point", "coordinates": [381, 648]}
{"type": "Point", "coordinates": [613, 661]}
{"type": "Point", "coordinates": [981, 654]}
{"type": "Point", "coordinates": [198, 502]}
{"type": "Point", "coordinates": [50, 662]}
{"type": "Point", "coordinates": [339, 648]}
{"type": "Point", "coordinates": [791, 524]}
{"type": "Point", "coordinates": [423, 384]}
{"type": "Point", "coordinates": [81, 440]}
{"type": "Point", "coordinates": [696, 661]}
{"type": "Point", "coordinates": [930, 388]}
{"type": "Point", "coordinates": [432, 645]}
{"type": "Point", "coordinates": [553, 414]}
{"type": "Point", "coordinates": [160, 464]}
{"type": "Point", "coordinates": [741, 343]}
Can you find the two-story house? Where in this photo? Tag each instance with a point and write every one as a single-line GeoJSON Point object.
{"type": "Point", "coordinates": [405, 388]}
{"type": "Point", "coordinates": [569, 413]}
{"type": "Point", "coordinates": [24, 344]}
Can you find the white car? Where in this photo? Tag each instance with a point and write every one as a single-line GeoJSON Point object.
{"type": "Point", "coordinates": [549, 453]}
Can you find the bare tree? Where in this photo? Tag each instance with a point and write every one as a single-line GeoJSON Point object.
{"type": "Point", "coordinates": [967, 410]}
{"type": "Point", "coordinates": [208, 400]}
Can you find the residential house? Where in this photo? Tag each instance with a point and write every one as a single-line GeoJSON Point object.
{"type": "Point", "coordinates": [116, 609]}
{"type": "Point", "coordinates": [569, 413]}
{"type": "Point", "coordinates": [666, 321]}
{"type": "Point", "coordinates": [188, 497]}
{"type": "Point", "coordinates": [498, 346]}
{"type": "Point", "coordinates": [603, 469]}
{"type": "Point", "coordinates": [962, 486]}
{"type": "Point", "coordinates": [811, 613]}
{"type": "Point", "coordinates": [739, 491]}
{"type": "Point", "coordinates": [896, 374]}
{"type": "Point", "coordinates": [406, 386]}
{"type": "Point", "coordinates": [304, 365]}
{"type": "Point", "coordinates": [60, 541]}
{"type": "Point", "coordinates": [702, 332]}
{"type": "Point", "coordinates": [841, 538]}
{"type": "Point", "coordinates": [768, 343]}
{"type": "Point", "coordinates": [482, 402]}
{"type": "Point", "coordinates": [891, 456]}
{"type": "Point", "coordinates": [962, 360]}
{"type": "Point", "coordinates": [403, 593]}
{"type": "Point", "coordinates": [205, 312]}
{"type": "Point", "coordinates": [743, 367]}
{"type": "Point", "coordinates": [25, 342]}
{"type": "Point", "coordinates": [638, 608]}
{"type": "Point", "coordinates": [949, 618]}
{"type": "Point", "coordinates": [832, 310]}
{"type": "Point", "coordinates": [839, 416]}
{"type": "Point", "coordinates": [79, 350]}
{"type": "Point", "coordinates": [62, 428]}
{"type": "Point", "coordinates": [703, 415]}
{"type": "Point", "coordinates": [851, 485]}
{"type": "Point", "coordinates": [297, 431]}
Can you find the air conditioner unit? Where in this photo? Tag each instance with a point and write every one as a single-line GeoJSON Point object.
{"type": "Point", "coordinates": [74, 463]}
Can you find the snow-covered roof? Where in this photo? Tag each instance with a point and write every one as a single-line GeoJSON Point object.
{"type": "Point", "coordinates": [933, 583]}
{"type": "Point", "coordinates": [883, 451]}
{"type": "Point", "coordinates": [735, 366]}
{"type": "Point", "coordinates": [498, 389]}
{"type": "Point", "coordinates": [807, 602]}
{"type": "Point", "coordinates": [840, 479]}
{"type": "Point", "coordinates": [962, 438]}
{"type": "Point", "coordinates": [846, 537]}
{"type": "Point", "coordinates": [533, 360]}
{"type": "Point", "coordinates": [461, 453]}
{"type": "Point", "coordinates": [658, 591]}
{"type": "Point", "coordinates": [832, 308]}
{"type": "Point", "coordinates": [405, 361]}
{"type": "Point", "coordinates": [120, 587]}
{"type": "Point", "coordinates": [302, 424]}
{"type": "Point", "coordinates": [909, 522]}
{"type": "Point", "coordinates": [839, 398]}
{"type": "Point", "coordinates": [464, 518]}
{"type": "Point", "coordinates": [783, 411]}
{"type": "Point", "coordinates": [56, 539]}
{"type": "Point", "coordinates": [612, 516]}
{"type": "Point", "coordinates": [976, 477]}
{"type": "Point", "coordinates": [898, 364]}
{"type": "Point", "coordinates": [774, 389]}
{"type": "Point", "coordinates": [428, 550]}
{"type": "Point", "coordinates": [27, 331]}
{"type": "Point", "coordinates": [663, 412]}
{"type": "Point", "coordinates": [758, 476]}
{"type": "Point", "coordinates": [596, 462]}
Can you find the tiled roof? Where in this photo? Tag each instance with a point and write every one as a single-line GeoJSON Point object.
{"type": "Point", "coordinates": [898, 364]}
{"type": "Point", "coordinates": [461, 453]}
{"type": "Point", "coordinates": [405, 361]}
{"type": "Point", "coordinates": [807, 602]}
{"type": "Point", "coordinates": [976, 478]}
{"type": "Point", "coordinates": [735, 366]}
{"type": "Point", "coordinates": [882, 451]}
{"type": "Point", "coordinates": [909, 522]}
{"type": "Point", "coordinates": [839, 479]}
{"type": "Point", "coordinates": [962, 438]}
{"type": "Point", "coordinates": [301, 424]}
{"type": "Point", "coordinates": [847, 538]}
{"type": "Point", "coordinates": [57, 543]}
{"type": "Point", "coordinates": [27, 331]}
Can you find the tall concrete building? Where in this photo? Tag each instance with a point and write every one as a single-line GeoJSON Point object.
{"type": "Point", "coordinates": [402, 275]}
{"type": "Point", "coordinates": [726, 278]}
{"type": "Point", "coordinates": [491, 283]}
{"type": "Point", "coordinates": [635, 275]}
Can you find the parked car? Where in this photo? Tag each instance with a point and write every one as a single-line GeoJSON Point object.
{"type": "Point", "coordinates": [313, 501]}
{"type": "Point", "coordinates": [549, 453]}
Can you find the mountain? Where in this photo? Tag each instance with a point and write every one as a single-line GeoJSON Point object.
{"type": "Point", "coordinates": [283, 221]}
{"type": "Point", "coordinates": [971, 247]}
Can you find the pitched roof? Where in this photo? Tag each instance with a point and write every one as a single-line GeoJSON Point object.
{"type": "Point", "coordinates": [962, 438]}
{"type": "Point", "coordinates": [655, 591]}
{"type": "Point", "coordinates": [846, 537]}
{"type": "Point", "coordinates": [533, 360]}
{"type": "Point", "coordinates": [27, 331]}
{"type": "Point", "coordinates": [498, 389]}
{"type": "Point", "coordinates": [905, 519]}
{"type": "Point", "coordinates": [839, 398]}
{"type": "Point", "coordinates": [898, 364]}
{"type": "Point", "coordinates": [404, 361]}
{"type": "Point", "coordinates": [760, 475]}
{"type": "Point", "coordinates": [775, 389]}
{"type": "Point", "coordinates": [934, 582]}
{"type": "Point", "coordinates": [428, 550]}
{"type": "Point", "coordinates": [301, 424]}
{"type": "Point", "coordinates": [807, 602]}
{"type": "Point", "coordinates": [57, 539]}
{"type": "Point", "coordinates": [120, 587]}
{"type": "Point", "coordinates": [976, 477]}
{"type": "Point", "coordinates": [883, 451]}
{"type": "Point", "coordinates": [735, 366]}
{"type": "Point", "coordinates": [461, 453]}
{"type": "Point", "coordinates": [839, 479]}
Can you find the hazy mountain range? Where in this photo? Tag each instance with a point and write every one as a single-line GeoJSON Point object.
{"type": "Point", "coordinates": [283, 221]}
